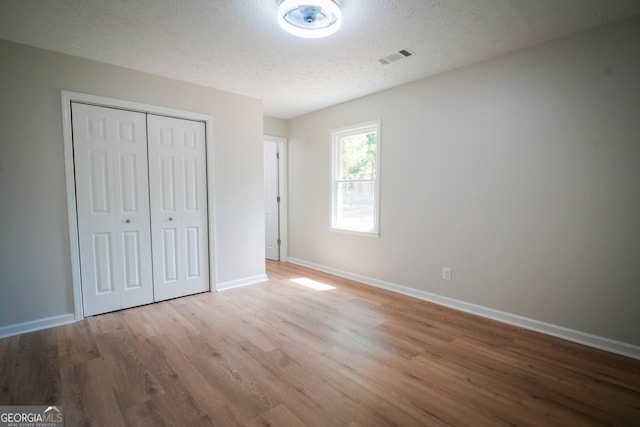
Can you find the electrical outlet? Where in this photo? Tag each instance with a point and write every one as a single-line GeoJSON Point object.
{"type": "Point", "coordinates": [446, 273]}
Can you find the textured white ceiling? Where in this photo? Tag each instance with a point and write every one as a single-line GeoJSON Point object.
{"type": "Point", "coordinates": [237, 45]}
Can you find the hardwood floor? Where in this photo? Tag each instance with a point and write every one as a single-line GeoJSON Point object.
{"type": "Point", "coordinates": [282, 354]}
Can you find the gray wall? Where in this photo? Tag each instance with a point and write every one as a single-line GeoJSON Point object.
{"type": "Point", "coordinates": [522, 173]}
{"type": "Point", "coordinates": [35, 272]}
{"type": "Point", "coordinates": [275, 127]}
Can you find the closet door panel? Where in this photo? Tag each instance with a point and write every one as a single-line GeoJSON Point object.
{"type": "Point", "coordinates": [110, 155]}
{"type": "Point", "coordinates": [177, 182]}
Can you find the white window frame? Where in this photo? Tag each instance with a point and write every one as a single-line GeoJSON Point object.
{"type": "Point", "coordinates": [336, 135]}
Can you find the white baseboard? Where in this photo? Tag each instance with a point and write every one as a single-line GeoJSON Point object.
{"type": "Point", "coordinates": [36, 325]}
{"type": "Point", "coordinates": [590, 340]}
{"type": "Point", "coordinates": [223, 286]}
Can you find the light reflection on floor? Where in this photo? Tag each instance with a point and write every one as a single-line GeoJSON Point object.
{"type": "Point", "coordinates": [313, 284]}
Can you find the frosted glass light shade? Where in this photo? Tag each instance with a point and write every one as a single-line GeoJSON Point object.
{"type": "Point", "coordinates": [309, 18]}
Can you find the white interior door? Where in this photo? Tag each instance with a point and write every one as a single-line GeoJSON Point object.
{"type": "Point", "coordinates": [110, 155]}
{"type": "Point", "coordinates": [177, 183]}
{"type": "Point", "coordinates": [271, 200]}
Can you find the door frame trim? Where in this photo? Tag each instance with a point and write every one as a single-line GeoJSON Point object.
{"type": "Point", "coordinates": [67, 98]}
{"type": "Point", "coordinates": [282, 189]}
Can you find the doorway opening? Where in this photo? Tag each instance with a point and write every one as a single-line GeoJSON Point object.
{"type": "Point", "coordinates": [275, 198]}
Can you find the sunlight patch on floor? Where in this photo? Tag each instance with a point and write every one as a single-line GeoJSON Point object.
{"type": "Point", "coordinates": [309, 283]}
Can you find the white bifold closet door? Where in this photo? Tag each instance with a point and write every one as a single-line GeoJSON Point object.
{"type": "Point", "coordinates": [112, 196]}
{"type": "Point", "coordinates": [141, 207]}
{"type": "Point", "coordinates": [178, 194]}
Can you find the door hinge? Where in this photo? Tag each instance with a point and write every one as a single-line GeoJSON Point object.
{"type": "Point", "coordinates": [278, 199]}
{"type": "Point", "coordinates": [277, 155]}
{"type": "Point", "coordinates": [279, 242]}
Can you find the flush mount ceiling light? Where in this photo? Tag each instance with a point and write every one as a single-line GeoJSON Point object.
{"type": "Point", "coordinates": [309, 18]}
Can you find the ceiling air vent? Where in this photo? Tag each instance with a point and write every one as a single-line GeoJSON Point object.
{"type": "Point", "coordinates": [395, 56]}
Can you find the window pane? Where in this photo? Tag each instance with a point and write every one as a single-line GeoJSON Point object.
{"type": "Point", "coordinates": [354, 205]}
{"type": "Point", "coordinates": [358, 156]}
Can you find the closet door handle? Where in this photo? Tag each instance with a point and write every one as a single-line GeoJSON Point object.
{"type": "Point", "coordinates": [128, 221]}
{"type": "Point", "coordinates": [170, 218]}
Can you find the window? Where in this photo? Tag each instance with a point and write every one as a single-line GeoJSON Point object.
{"type": "Point", "coordinates": [355, 178]}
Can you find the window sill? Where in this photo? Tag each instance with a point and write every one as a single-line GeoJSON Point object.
{"type": "Point", "coordinates": [374, 234]}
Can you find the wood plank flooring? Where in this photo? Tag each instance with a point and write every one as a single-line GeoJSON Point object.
{"type": "Point", "coordinates": [282, 354]}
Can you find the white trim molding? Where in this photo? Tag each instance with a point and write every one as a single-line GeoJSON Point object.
{"type": "Point", "coordinates": [36, 325]}
{"type": "Point", "coordinates": [579, 337]}
{"type": "Point", "coordinates": [253, 280]}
